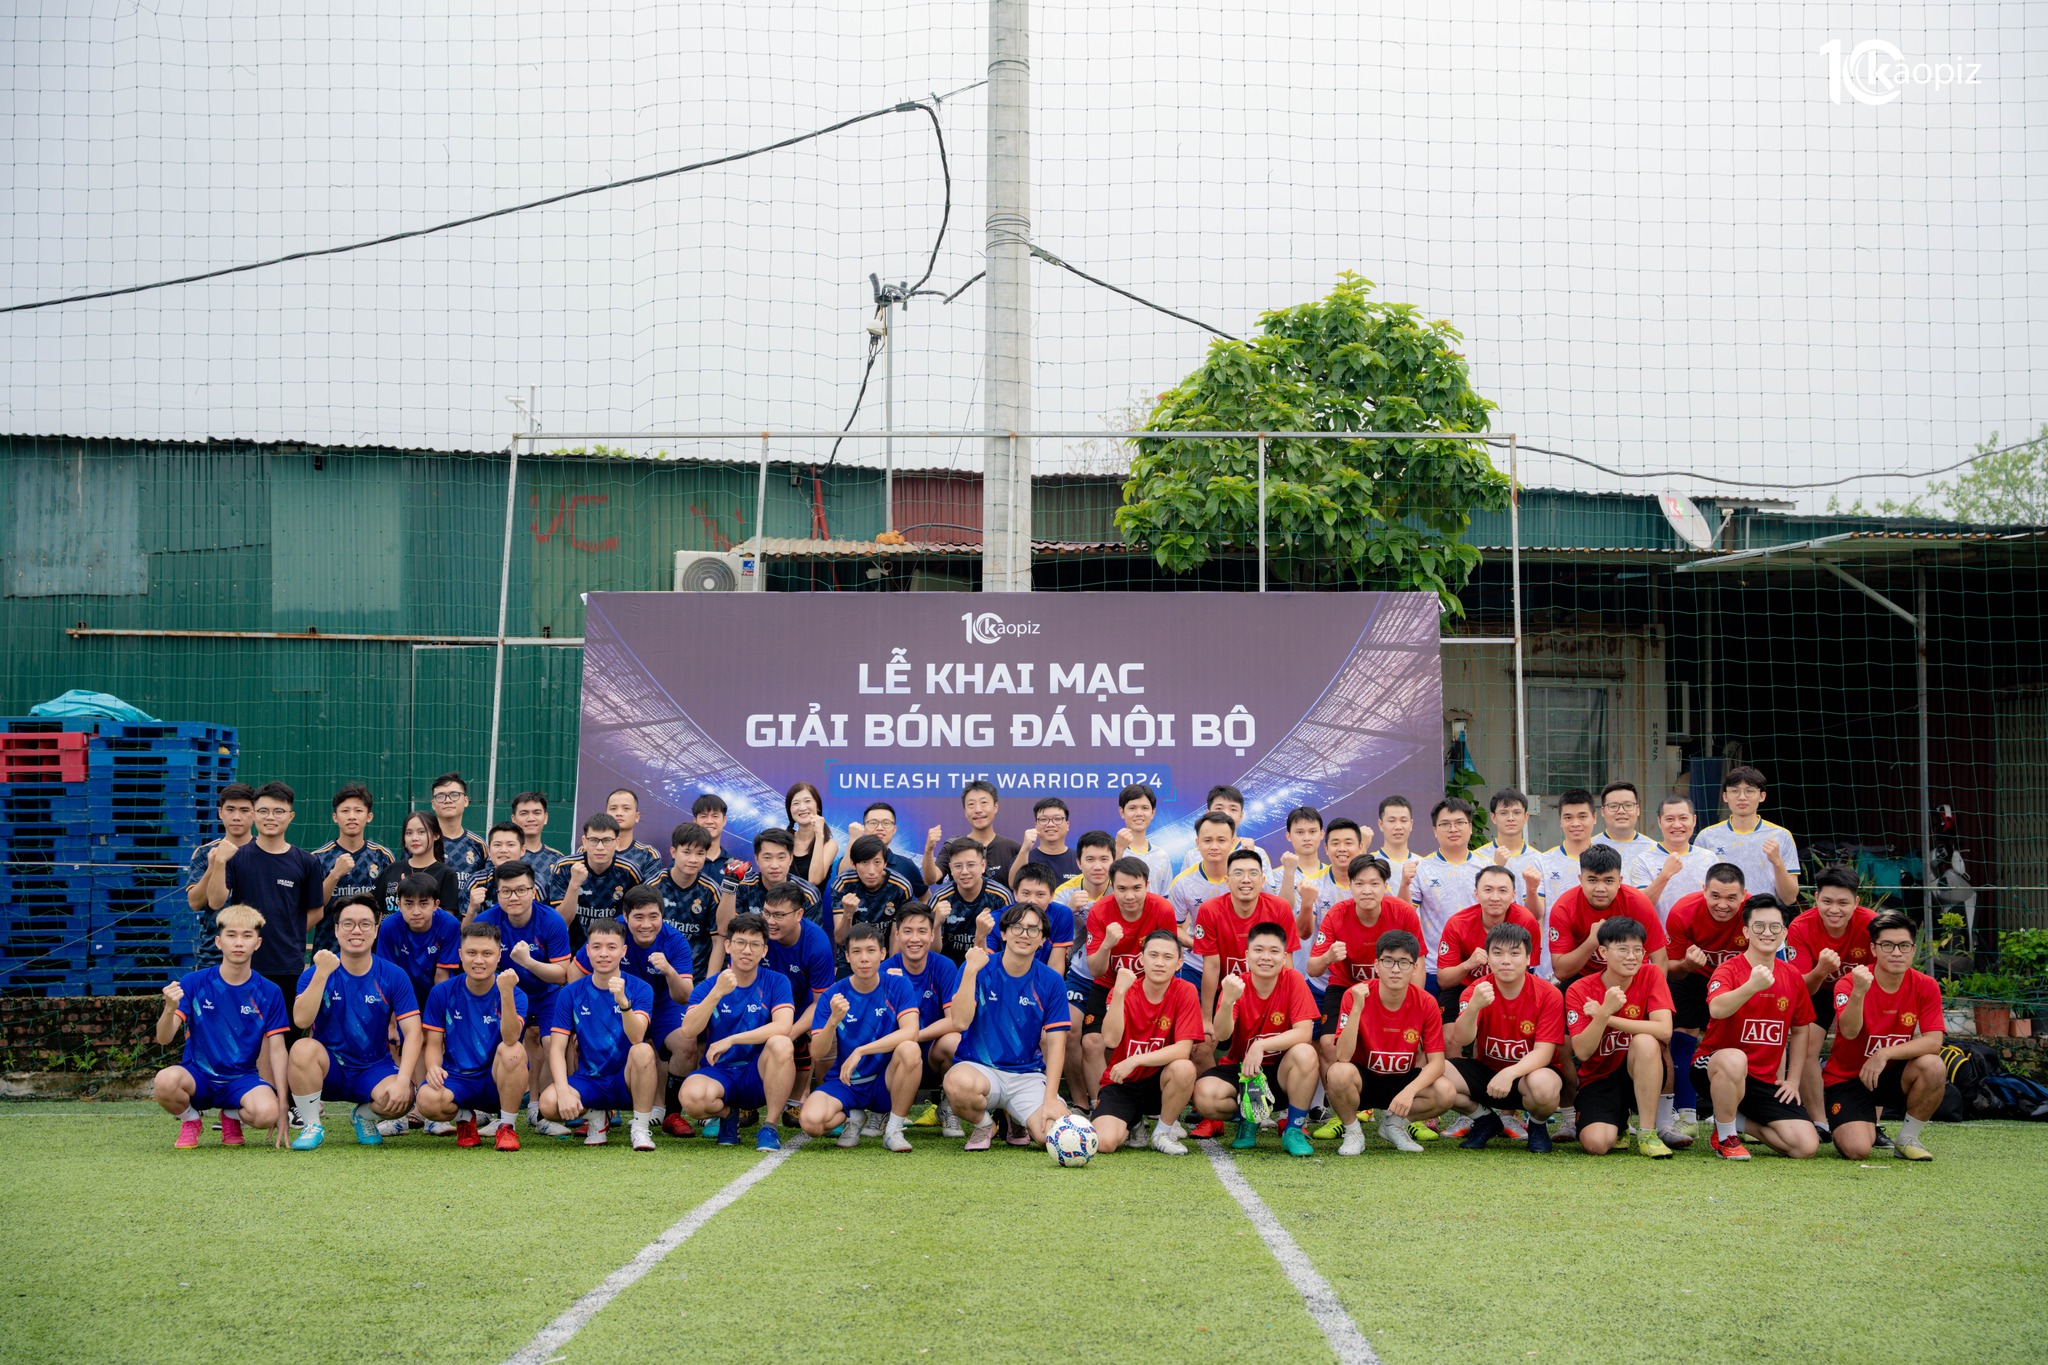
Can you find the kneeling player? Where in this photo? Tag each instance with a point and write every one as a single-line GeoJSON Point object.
{"type": "Point", "coordinates": [1264, 1024]}
{"type": "Point", "coordinates": [1388, 1024]}
{"type": "Point", "coordinates": [1150, 1027]}
{"type": "Point", "coordinates": [1754, 1003]}
{"type": "Point", "coordinates": [933, 979]}
{"type": "Point", "coordinates": [1013, 1020]}
{"type": "Point", "coordinates": [870, 1025]}
{"type": "Point", "coordinates": [350, 1004]}
{"type": "Point", "coordinates": [1514, 1024]}
{"type": "Point", "coordinates": [235, 1025]}
{"type": "Point", "coordinates": [474, 1060]}
{"type": "Point", "coordinates": [606, 1013]}
{"type": "Point", "coordinates": [1887, 1046]}
{"type": "Point", "coordinates": [1620, 1021]}
{"type": "Point", "coordinates": [742, 1016]}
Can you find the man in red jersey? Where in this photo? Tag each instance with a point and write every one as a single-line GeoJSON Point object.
{"type": "Point", "coordinates": [1463, 955]}
{"type": "Point", "coordinates": [1263, 1021]}
{"type": "Point", "coordinates": [1620, 1021]}
{"type": "Point", "coordinates": [1223, 924]}
{"type": "Point", "coordinates": [1887, 1046]}
{"type": "Point", "coordinates": [1115, 933]}
{"type": "Point", "coordinates": [1514, 1023]}
{"type": "Point", "coordinates": [1704, 929]}
{"type": "Point", "coordinates": [1575, 918]}
{"type": "Point", "coordinates": [1151, 1027]}
{"type": "Point", "coordinates": [1825, 943]}
{"type": "Point", "coordinates": [1391, 1035]}
{"type": "Point", "coordinates": [1758, 1010]}
{"type": "Point", "coordinates": [1347, 942]}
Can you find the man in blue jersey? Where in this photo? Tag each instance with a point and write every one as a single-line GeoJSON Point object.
{"type": "Point", "coordinates": [422, 939]}
{"type": "Point", "coordinates": [774, 855]}
{"type": "Point", "coordinates": [461, 850]}
{"type": "Point", "coordinates": [933, 979]}
{"type": "Point", "coordinates": [959, 901]}
{"type": "Point", "coordinates": [657, 953]}
{"type": "Point", "coordinates": [349, 1003]}
{"type": "Point", "coordinates": [1013, 1020]}
{"type": "Point", "coordinates": [236, 810]}
{"type": "Point", "coordinates": [353, 862]}
{"type": "Point", "coordinates": [530, 813]}
{"type": "Point", "coordinates": [743, 1015]}
{"type": "Point", "coordinates": [801, 952]}
{"type": "Point", "coordinates": [591, 883]}
{"type": "Point", "coordinates": [879, 819]}
{"type": "Point", "coordinates": [474, 1062]}
{"type": "Point", "coordinates": [502, 844]}
{"type": "Point", "coordinates": [623, 805]}
{"type": "Point", "coordinates": [869, 891]}
{"type": "Point", "coordinates": [536, 944]}
{"type": "Point", "coordinates": [1032, 884]}
{"type": "Point", "coordinates": [235, 1026]}
{"type": "Point", "coordinates": [869, 1027]}
{"type": "Point", "coordinates": [606, 1014]}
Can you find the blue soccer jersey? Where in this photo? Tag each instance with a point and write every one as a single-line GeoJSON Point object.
{"type": "Point", "coordinates": [225, 1025]}
{"type": "Point", "coordinates": [1059, 933]}
{"type": "Point", "coordinates": [693, 911]}
{"type": "Point", "coordinates": [1010, 1013]}
{"type": "Point", "coordinates": [870, 1016]}
{"type": "Point", "coordinates": [742, 1010]}
{"type": "Point", "coordinates": [468, 1023]}
{"type": "Point", "coordinates": [807, 963]}
{"type": "Point", "coordinates": [933, 987]}
{"type": "Point", "coordinates": [421, 953]}
{"type": "Point", "coordinates": [588, 1013]}
{"type": "Point", "coordinates": [356, 1012]}
{"type": "Point", "coordinates": [545, 935]}
{"type": "Point", "coordinates": [667, 941]}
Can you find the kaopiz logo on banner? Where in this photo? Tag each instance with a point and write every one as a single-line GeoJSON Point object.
{"type": "Point", "coordinates": [1326, 699]}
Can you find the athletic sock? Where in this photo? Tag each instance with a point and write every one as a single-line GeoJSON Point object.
{"type": "Point", "coordinates": [658, 1113]}
{"type": "Point", "coordinates": [191, 1114]}
{"type": "Point", "coordinates": [670, 1092]}
{"type": "Point", "coordinates": [307, 1107]}
{"type": "Point", "coordinates": [1352, 1129]}
{"type": "Point", "coordinates": [1683, 1048]}
{"type": "Point", "coordinates": [1909, 1131]}
{"type": "Point", "coordinates": [1665, 1113]}
{"type": "Point", "coordinates": [1294, 1117]}
{"type": "Point", "coordinates": [1724, 1131]}
{"type": "Point", "coordinates": [235, 1114]}
{"type": "Point", "coordinates": [1475, 1111]}
{"type": "Point", "coordinates": [896, 1122]}
{"type": "Point", "coordinates": [1568, 1114]}
{"type": "Point", "coordinates": [508, 1117]}
{"type": "Point", "coordinates": [643, 1116]}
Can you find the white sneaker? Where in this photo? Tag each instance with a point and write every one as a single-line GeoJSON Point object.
{"type": "Point", "coordinates": [1395, 1131]}
{"type": "Point", "coordinates": [949, 1122]}
{"type": "Point", "coordinates": [1567, 1129]}
{"type": "Point", "coordinates": [1141, 1134]}
{"type": "Point", "coordinates": [1515, 1126]}
{"type": "Point", "coordinates": [1166, 1138]}
{"type": "Point", "coordinates": [1689, 1119]}
{"type": "Point", "coordinates": [877, 1124]}
{"type": "Point", "coordinates": [436, 1128]}
{"type": "Point", "coordinates": [551, 1128]}
{"type": "Point", "coordinates": [595, 1132]}
{"type": "Point", "coordinates": [894, 1140]}
{"type": "Point", "coordinates": [1455, 1124]}
{"type": "Point", "coordinates": [393, 1127]}
{"type": "Point", "coordinates": [849, 1131]}
{"type": "Point", "coordinates": [641, 1134]}
{"type": "Point", "coordinates": [488, 1128]}
{"type": "Point", "coordinates": [1354, 1141]}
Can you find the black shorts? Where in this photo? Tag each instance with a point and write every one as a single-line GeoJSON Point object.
{"type": "Point", "coordinates": [1824, 1006]}
{"type": "Point", "coordinates": [1609, 1100]}
{"type": "Point", "coordinates": [1478, 1075]}
{"type": "Point", "coordinates": [1129, 1101]}
{"type": "Point", "coordinates": [1450, 1003]}
{"type": "Point", "coordinates": [1854, 1102]}
{"type": "Point", "coordinates": [1380, 1088]}
{"type": "Point", "coordinates": [1760, 1103]}
{"type": "Point", "coordinates": [1094, 1008]}
{"type": "Point", "coordinates": [801, 1044]}
{"type": "Point", "coordinates": [1689, 1001]}
{"type": "Point", "coordinates": [1333, 1005]}
{"type": "Point", "coordinates": [1229, 1075]}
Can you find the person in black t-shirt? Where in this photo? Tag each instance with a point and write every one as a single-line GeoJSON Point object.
{"type": "Point", "coordinates": [280, 881]}
{"type": "Point", "coordinates": [422, 847]}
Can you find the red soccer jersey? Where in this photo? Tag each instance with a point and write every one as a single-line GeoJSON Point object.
{"type": "Point", "coordinates": [1466, 932]}
{"type": "Point", "coordinates": [1888, 1020]}
{"type": "Point", "coordinates": [1572, 920]}
{"type": "Point", "coordinates": [1157, 914]}
{"type": "Point", "coordinates": [1646, 994]}
{"type": "Point", "coordinates": [1388, 1040]}
{"type": "Point", "coordinates": [1509, 1028]}
{"type": "Point", "coordinates": [1262, 1016]}
{"type": "Point", "coordinates": [1763, 1025]}
{"type": "Point", "coordinates": [1690, 923]}
{"type": "Point", "coordinates": [1149, 1027]}
{"type": "Point", "coordinates": [1808, 936]}
{"type": "Point", "coordinates": [1220, 932]}
{"type": "Point", "coordinates": [1361, 942]}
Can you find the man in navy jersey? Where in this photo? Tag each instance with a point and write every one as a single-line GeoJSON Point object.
{"type": "Point", "coordinates": [774, 855]}
{"type": "Point", "coordinates": [967, 892]}
{"type": "Point", "coordinates": [461, 850]}
{"type": "Point", "coordinates": [236, 810]}
{"type": "Point", "coordinates": [869, 891]}
{"type": "Point", "coordinates": [606, 1013]}
{"type": "Point", "coordinates": [933, 979]}
{"type": "Point", "coordinates": [709, 811]}
{"type": "Point", "coordinates": [743, 1015]}
{"type": "Point", "coordinates": [235, 1026]}
{"type": "Point", "coordinates": [352, 861]}
{"type": "Point", "coordinates": [623, 805]}
{"type": "Point", "coordinates": [868, 1025]}
{"type": "Point", "coordinates": [350, 1003]}
{"type": "Point", "coordinates": [689, 894]}
{"type": "Point", "coordinates": [473, 1024]}
{"type": "Point", "coordinates": [1012, 1014]}
{"type": "Point", "coordinates": [536, 945]}
{"type": "Point", "coordinates": [1032, 884]}
{"type": "Point", "coordinates": [879, 819]}
{"type": "Point", "coordinates": [503, 843]}
{"type": "Point", "coordinates": [530, 813]}
{"type": "Point", "coordinates": [591, 883]}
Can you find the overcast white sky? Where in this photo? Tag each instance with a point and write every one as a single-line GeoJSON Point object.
{"type": "Point", "coordinates": [1664, 241]}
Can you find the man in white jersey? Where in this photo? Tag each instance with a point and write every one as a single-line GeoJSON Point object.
{"type": "Point", "coordinates": [1447, 880]}
{"type": "Point", "coordinates": [1204, 879]}
{"type": "Point", "coordinates": [1675, 867]}
{"type": "Point", "coordinates": [1766, 853]}
{"type": "Point", "coordinates": [1621, 806]}
{"type": "Point", "coordinates": [1225, 799]}
{"type": "Point", "coordinates": [1137, 804]}
{"type": "Point", "coordinates": [1510, 848]}
{"type": "Point", "coordinates": [1397, 823]}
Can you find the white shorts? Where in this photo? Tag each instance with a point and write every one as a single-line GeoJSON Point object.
{"type": "Point", "coordinates": [1018, 1093]}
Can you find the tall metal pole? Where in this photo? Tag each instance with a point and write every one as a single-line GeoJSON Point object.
{"type": "Point", "coordinates": [1515, 569]}
{"type": "Point", "coordinates": [1926, 780]}
{"type": "Point", "coordinates": [889, 416]}
{"type": "Point", "coordinates": [1006, 465]}
{"type": "Point", "coordinates": [504, 597]}
{"type": "Point", "coordinates": [1262, 514]}
{"type": "Point", "coordinates": [761, 504]}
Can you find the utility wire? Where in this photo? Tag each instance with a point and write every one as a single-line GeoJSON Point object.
{"type": "Point", "coordinates": [905, 107]}
{"type": "Point", "coordinates": [1754, 483]}
{"type": "Point", "coordinates": [1042, 254]}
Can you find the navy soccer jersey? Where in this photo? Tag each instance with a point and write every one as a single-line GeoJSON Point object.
{"type": "Point", "coordinates": [225, 1025]}
{"type": "Point", "coordinates": [542, 860]}
{"type": "Point", "coordinates": [419, 954]}
{"type": "Point", "coordinates": [806, 963]}
{"type": "Point", "coordinates": [545, 936]}
{"type": "Point", "coordinates": [907, 868]}
{"type": "Point", "coordinates": [195, 871]}
{"type": "Point", "coordinates": [644, 859]}
{"type": "Point", "coordinates": [742, 1010]}
{"type": "Point", "coordinates": [748, 891]}
{"type": "Point", "coordinates": [371, 861]}
{"type": "Point", "coordinates": [1010, 1014]}
{"type": "Point", "coordinates": [873, 905]}
{"type": "Point", "coordinates": [356, 1012]}
{"type": "Point", "coordinates": [469, 1024]}
{"type": "Point", "coordinates": [869, 1017]}
{"type": "Point", "coordinates": [667, 941]}
{"type": "Point", "coordinates": [602, 892]}
{"type": "Point", "coordinates": [464, 853]}
{"type": "Point", "coordinates": [956, 932]}
{"type": "Point", "coordinates": [1059, 933]}
{"type": "Point", "coordinates": [934, 985]}
{"type": "Point", "coordinates": [693, 911]}
{"type": "Point", "coordinates": [589, 1014]}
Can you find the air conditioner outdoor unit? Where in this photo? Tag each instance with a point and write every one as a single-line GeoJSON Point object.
{"type": "Point", "coordinates": [720, 571]}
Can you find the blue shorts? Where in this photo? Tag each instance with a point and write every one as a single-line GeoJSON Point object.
{"type": "Point", "coordinates": [602, 1092]}
{"type": "Point", "coordinates": [1429, 984]}
{"type": "Point", "coordinates": [742, 1085]}
{"type": "Point", "coordinates": [1321, 995]}
{"type": "Point", "coordinates": [1077, 991]}
{"type": "Point", "coordinates": [872, 1096]}
{"type": "Point", "coordinates": [666, 1019]}
{"type": "Point", "coordinates": [473, 1090]}
{"type": "Point", "coordinates": [1191, 971]}
{"type": "Point", "coordinates": [354, 1083]}
{"type": "Point", "coordinates": [223, 1092]}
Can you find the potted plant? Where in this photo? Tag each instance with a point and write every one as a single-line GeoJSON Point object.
{"type": "Point", "coordinates": [1990, 996]}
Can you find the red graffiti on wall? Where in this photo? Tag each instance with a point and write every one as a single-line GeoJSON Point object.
{"type": "Point", "coordinates": [565, 522]}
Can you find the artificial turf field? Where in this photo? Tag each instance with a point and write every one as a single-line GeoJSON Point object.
{"type": "Point", "coordinates": [118, 1247]}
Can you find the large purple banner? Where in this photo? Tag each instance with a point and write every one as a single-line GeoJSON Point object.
{"type": "Point", "coordinates": [1326, 699]}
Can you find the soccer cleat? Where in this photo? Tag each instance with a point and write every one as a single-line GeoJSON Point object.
{"type": "Point", "coordinates": [712, 1128]}
{"type": "Point", "coordinates": [1824, 1133]}
{"type": "Point", "coordinates": [466, 1134]}
{"type": "Point", "coordinates": [1207, 1128]}
{"type": "Point", "coordinates": [1018, 1136]}
{"type": "Point", "coordinates": [1675, 1137]}
{"type": "Point", "coordinates": [1422, 1132]}
{"type": "Point", "coordinates": [1730, 1149]}
{"type": "Point", "coordinates": [553, 1128]}
{"type": "Point", "coordinates": [1911, 1151]}
{"type": "Point", "coordinates": [1354, 1142]}
{"type": "Point", "coordinates": [1295, 1142]}
{"type": "Point", "coordinates": [1880, 1140]}
{"type": "Point", "coordinates": [310, 1136]}
{"type": "Point", "coordinates": [436, 1128]}
{"type": "Point", "coordinates": [1396, 1131]}
{"type": "Point", "coordinates": [876, 1124]}
{"type": "Point", "coordinates": [641, 1134]}
{"type": "Point", "coordinates": [1166, 1138]}
{"type": "Point", "coordinates": [1141, 1134]}
{"type": "Point", "coordinates": [488, 1128]}
{"type": "Point", "coordinates": [790, 1111]}
{"type": "Point", "coordinates": [949, 1122]}
{"type": "Point", "coordinates": [1247, 1135]}
{"type": "Point", "coordinates": [1539, 1138]}
{"type": "Point", "coordinates": [925, 1115]}
{"type": "Point", "coordinates": [766, 1139]}
{"type": "Point", "coordinates": [394, 1128]}
{"type": "Point", "coordinates": [369, 1132]}
{"type": "Point", "coordinates": [189, 1131]}
{"type": "Point", "coordinates": [1454, 1124]}
{"type": "Point", "coordinates": [676, 1126]}
{"type": "Point", "coordinates": [1648, 1144]}
{"type": "Point", "coordinates": [1567, 1129]}
{"type": "Point", "coordinates": [726, 1130]}
{"type": "Point", "coordinates": [895, 1141]}
{"type": "Point", "coordinates": [508, 1141]}
{"type": "Point", "coordinates": [984, 1133]}
{"type": "Point", "coordinates": [1328, 1129]}
{"type": "Point", "coordinates": [849, 1131]}
{"type": "Point", "coordinates": [1515, 1126]}
{"type": "Point", "coordinates": [597, 1131]}
{"type": "Point", "coordinates": [230, 1131]}
{"type": "Point", "coordinates": [1485, 1129]}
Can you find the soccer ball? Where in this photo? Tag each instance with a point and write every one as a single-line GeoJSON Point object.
{"type": "Point", "coordinates": [1071, 1141]}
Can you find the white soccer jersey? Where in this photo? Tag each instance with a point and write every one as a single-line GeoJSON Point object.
{"type": "Point", "coordinates": [1325, 879]}
{"type": "Point", "coordinates": [1690, 877]}
{"type": "Point", "coordinates": [1442, 889]}
{"type": "Point", "coordinates": [1638, 844]}
{"type": "Point", "coordinates": [1160, 865]}
{"type": "Point", "coordinates": [1746, 851]}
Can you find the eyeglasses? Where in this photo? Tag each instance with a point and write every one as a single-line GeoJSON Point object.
{"type": "Point", "coordinates": [271, 812]}
{"type": "Point", "coordinates": [1399, 964]}
{"type": "Point", "coordinates": [1032, 930]}
{"type": "Point", "coordinates": [1764, 930]}
{"type": "Point", "coordinates": [1892, 947]}
{"type": "Point", "coordinates": [599, 840]}
{"type": "Point", "coordinates": [1621, 805]}
{"type": "Point", "coordinates": [779, 915]}
{"type": "Point", "coordinates": [446, 798]}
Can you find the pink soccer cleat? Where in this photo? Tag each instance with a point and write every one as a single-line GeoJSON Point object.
{"type": "Point", "coordinates": [230, 1131]}
{"type": "Point", "coordinates": [189, 1131]}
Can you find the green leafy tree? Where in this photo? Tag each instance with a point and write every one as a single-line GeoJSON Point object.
{"type": "Point", "coordinates": [1369, 514]}
{"type": "Point", "coordinates": [2009, 488]}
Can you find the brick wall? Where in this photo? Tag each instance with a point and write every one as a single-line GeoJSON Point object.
{"type": "Point", "coordinates": [105, 1033]}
